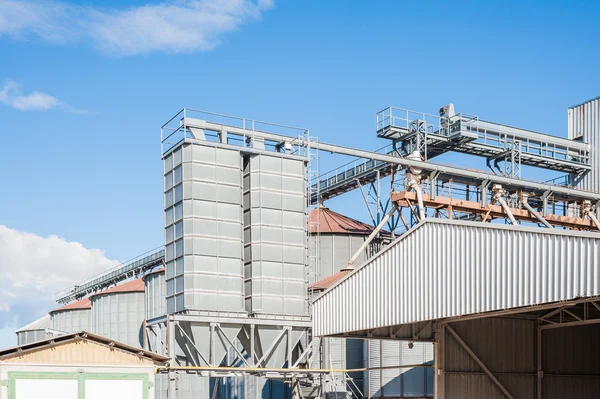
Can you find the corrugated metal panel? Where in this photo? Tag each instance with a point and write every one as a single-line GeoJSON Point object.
{"type": "Point", "coordinates": [584, 122]}
{"type": "Point", "coordinates": [119, 316]}
{"type": "Point", "coordinates": [27, 337]}
{"type": "Point", "coordinates": [203, 228]}
{"type": "Point", "coordinates": [446, 268]}
{"type": "Point", "coordinates": [40, 324]}
{"type": "Point", "coordinates": [573, 350]}
{"type": "Point", "coordinates": [479, 386]}
{"type": "Point", "coordinates": [275, 235]}
{"type": "Point", "coordinates": [335, 250]}
{"type": "Point", "coordinates": [156, 301]}
{"type": "Point", "coordinates": [514, 352]}
{"type": "Point", "coordinates": [69, 321]}
{"type": "Point", "coordinates": [399, 382]}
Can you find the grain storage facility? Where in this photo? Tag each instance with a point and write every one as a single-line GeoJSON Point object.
{"type": "Point", "coordinates": [264, 299]}
{"type": "Point", "coordinates": [76, 316]}
{"type": "Point", "coordinates": [78, 366]}
{"type": "Point", "coordinates": [119, 312]}
{"type": "Point", "coordinates": [35, 331]}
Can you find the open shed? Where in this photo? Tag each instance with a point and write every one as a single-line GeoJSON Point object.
{"type": "Point", "coordinates": [512, 310]}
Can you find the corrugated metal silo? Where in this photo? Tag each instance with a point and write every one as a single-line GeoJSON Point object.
{"type": "Point", "coordinates": [275, 234]}
{"type": "Point", "coordinates": [155, 289]}
{"type": "Point", "coordinates": [118, 313]}
{"type": "Point", "coordinates": [73, 317]}
{"type": "Point", "coordinates": [203, 228]}
{"type": "Point", "coordinates": [398, 382]}
{"type": "Point", "coordinates": [339, 237]}
{"type": "Point", "coordinates": [584, 125]}
{"type": "Point", "coordinates": [33, 332]}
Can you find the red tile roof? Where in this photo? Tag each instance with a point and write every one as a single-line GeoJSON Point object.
{"type": "Point", "coordinates": [136, 285]}
{"type": "Point", "coordinates": [84, 303]}
{"type": "Point", "coordinates": [333, 222]}
{"type": "Point", "coordinates": [328, 281]}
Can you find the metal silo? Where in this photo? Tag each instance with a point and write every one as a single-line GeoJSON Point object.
{"type": "Point", "coordinates": [33, 332]}
{"type": "Point", "coordinates": [203, 228]}
{"type": "Point", "coordinates": [118, 313]}
{"type": "Point", "coordinates": [584, 125]}
{"type": "Point", "coordinates": [335, 238]}
{"type": "Point", "coordinates": [155, 288]}
{"type": "Point", "coordinates": [73, 317]}
{"type": "Point", "coordinates": [275, 234]}
{"type": "Point", "coordinates": [398, 382]}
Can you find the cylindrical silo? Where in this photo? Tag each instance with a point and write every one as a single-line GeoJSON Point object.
{"type": "Point", "coordinates": [73, 317]}
{"type": "Point", "coordinates": [335, 238]}
{"type": "Point", "coordinates": [155, 287]}
{"type": "Point", "coordinates": [33, 332]}
{"type": "Point", "coordinates": [416, 382]}
{"type": "Point", "coordinates": [118, 313]}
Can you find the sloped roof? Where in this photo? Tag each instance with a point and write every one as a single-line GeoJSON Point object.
{"type": "Point", "coordinates": [39, 324]}
{"type": "Point", "coordinates": [328, 281]}
{"type": "Point", "coordinates": [79, 336]}
{"type": "Point", "coordinates": [84, 303]}
{"type": "Point", "coordinates": [157, 271]}
{"type": "Point", "coordinates": [333, 222]}
{"type": "Point", "coordinates": [136, 285]}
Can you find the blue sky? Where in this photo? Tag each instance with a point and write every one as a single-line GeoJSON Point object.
{"type": "Point", "coordinates": [87, 168]}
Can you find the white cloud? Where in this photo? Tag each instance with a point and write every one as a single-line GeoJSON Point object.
{"type": "Point", "coordinates": [34, 101]}
{"type": "Point", "coordinates": [175, 26]}
{"type": "Point", "coordinates": [33, 269]}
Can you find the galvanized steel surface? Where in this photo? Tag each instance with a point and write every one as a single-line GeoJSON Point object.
{"type": "Point", "coordinates": [155, 291]}
{"type": "Point", "coordinates": [69, 321]}
{"type": "Point", "coordinates": [275, 235]}
{"type": "Point", "coordinates": [398, 382]}
{"type": "Point", "coordinates": [34, 331]}
{"type": "Point", "coordinates": [445, 268]}
{"type": "Point", "coordinates": [119, 316]}
{"type": "Point", "coordinates": [203, 228]}
{"type": "Point", "coordinates": [584, 124]}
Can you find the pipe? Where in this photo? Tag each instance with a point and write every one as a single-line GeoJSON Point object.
{"type": "Point", "coordinates": [534, 213]}
{"type": "Point", "coordinates": [284, 370]}
{"type": "Point", "coordinates": [417, 189]}
{"type": "Point", "coordinates": [506, 208]}
{"type": "Point", "coordinates": [594, 219]}
{"type": "Point", "coordinates": [370, 238]}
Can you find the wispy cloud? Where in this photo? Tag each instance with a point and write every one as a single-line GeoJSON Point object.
{"type": "Point", "coordinates": [177, 26]}
{"type": "Point", "coordinates": [11, 95]}
{"type": "Point", "coordinates": [32, 269]}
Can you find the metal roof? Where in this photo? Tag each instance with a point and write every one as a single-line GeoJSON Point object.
{"type": "Point", "coordinates": [328, 282]}
{"type": "Point", "coordinates": [333, 222]}
{"type": "Point", "coordinates": [448, 268]}
{"type": "Point", "coordinates": [84, 303]}
{"type": "Point", "coordinates": [157, 271]}
{"type": "Point", "coordinates": [39, 324]}
{"type": "Point", "coordinates": [78, 336]}
{"type": "Point", "coordinates": [136, 285]}
{"type": "Point", "coordinates": [585, 102]}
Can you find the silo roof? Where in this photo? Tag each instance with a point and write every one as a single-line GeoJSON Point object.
{"type": "Point", "coordinates": [328, 282]}
{"type": "Point", "coordinates": [39, 324]}
{"type": "Point", "coordinates": [157, 271]}
{"type": "Point", "coordinates": [136, 285]}
{"type": "Point", "coordinates": [84, 303]}
{"type": "Point", "coordinates": [333, 222]}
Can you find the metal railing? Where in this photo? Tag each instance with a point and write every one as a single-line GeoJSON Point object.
{"type": "Point", "coordinates": [175, 130]}
{"type": "Point", "coordinates": [117, 273]}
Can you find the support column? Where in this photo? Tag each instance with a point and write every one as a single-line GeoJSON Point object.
{"type": "Point", "coordinates": [540, 371]}
{"type": "Point", "coordinates": [439, 362]}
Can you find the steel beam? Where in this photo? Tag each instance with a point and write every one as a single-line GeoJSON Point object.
{"type": "Point", "coordinates": [479, 362]}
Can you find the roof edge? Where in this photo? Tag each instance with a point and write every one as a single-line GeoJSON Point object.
{"type": "Point", "coordinates": [585, 102]}
{"type": "Point", "coordinates": [481, 225]}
